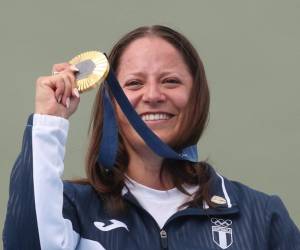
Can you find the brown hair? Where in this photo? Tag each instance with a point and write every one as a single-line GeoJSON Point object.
{"type": "Point", "coordinates": [109, 184]}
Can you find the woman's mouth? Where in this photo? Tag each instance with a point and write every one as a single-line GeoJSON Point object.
{"type": "Point", "coordinates": [156, 116]}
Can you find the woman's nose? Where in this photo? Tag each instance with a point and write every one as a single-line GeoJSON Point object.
{"type": "Point", "coordinates": [153, 93]}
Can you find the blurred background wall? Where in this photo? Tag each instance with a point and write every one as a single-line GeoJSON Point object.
{"type": "Point", "coordinates": [250, 51]}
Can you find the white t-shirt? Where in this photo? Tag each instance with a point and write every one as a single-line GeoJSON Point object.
{"type": "Point", "coordinates": [160, 204]}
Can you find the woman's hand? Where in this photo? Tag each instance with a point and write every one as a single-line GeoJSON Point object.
{"type": "Point", "coordinates": [57, 94]}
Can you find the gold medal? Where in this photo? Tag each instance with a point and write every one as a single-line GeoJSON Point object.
{"type": "Point", "coordinates": [93, 69]}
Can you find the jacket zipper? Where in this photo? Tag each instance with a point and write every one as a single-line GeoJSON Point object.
{"type": "Point", "coordinates": [162, 232]}
{"type": "Point", "coordinates": [164, 239]}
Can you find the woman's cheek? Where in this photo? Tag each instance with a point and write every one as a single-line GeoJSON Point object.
{"type": "Point", "coordinates": [133, 97]}
{"type": "Point", "coordinates": [179, 101]}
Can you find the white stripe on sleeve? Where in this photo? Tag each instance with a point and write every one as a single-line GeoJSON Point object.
{"type": "Point", "coordinates": [49, 135]}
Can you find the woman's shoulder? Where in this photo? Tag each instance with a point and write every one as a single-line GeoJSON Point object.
{"type": "Point", "coordinates": [268, 214]}
{"type": "Point", "coordinates": [247, 192]}
{"type": "Point", "coordinates": [79, 192]}
{"type": "Point", "coordinates": [252, 201]}
{"type": "Point", "coordinates": [249, 196]}
{"type": "Point", "coordinates": [236, 193]}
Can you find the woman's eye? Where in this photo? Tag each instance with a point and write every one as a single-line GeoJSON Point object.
{"type": "Point", "coordinates": [133, 84]}
{"type": "Point", "coordinates": [172, 81]}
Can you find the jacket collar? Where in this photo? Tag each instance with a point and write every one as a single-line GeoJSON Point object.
{"type": "Point", "coordinates": [221, 194]}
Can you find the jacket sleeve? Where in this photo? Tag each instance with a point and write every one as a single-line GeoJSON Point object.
{"type": "Point", "coordinates": [283, 233]}
{"type": "Point", "coordinates": [34, 218]}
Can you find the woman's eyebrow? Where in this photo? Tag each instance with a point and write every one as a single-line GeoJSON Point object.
{"type": "Point", "coordinates": [135, 73]}
{"type": "Point", "coordinates": [162, 74]}
{"type": "Point", "coordinates": [173, 73]}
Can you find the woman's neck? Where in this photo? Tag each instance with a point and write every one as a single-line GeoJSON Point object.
{"type": "Point", "coordinates": [145, 168]}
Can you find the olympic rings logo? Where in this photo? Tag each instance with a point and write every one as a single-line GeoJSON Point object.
{"type": "Point", "coordinates": [221, 222]}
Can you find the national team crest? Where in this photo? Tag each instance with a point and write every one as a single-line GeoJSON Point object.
{"type": "Point", "coordinates": [222, 232]}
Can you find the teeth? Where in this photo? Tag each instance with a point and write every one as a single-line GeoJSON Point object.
{"type": "Point", "coordinates": [155, 117]}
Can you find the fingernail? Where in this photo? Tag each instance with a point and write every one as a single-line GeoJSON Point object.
{"type": "Point", "coordinates": [74, 68]}
{"type": "Point", "coordinates": [68, 102]}
{"type": "Point", "coordinates": [59, 99]}
{"type": "Point", "coordinates": [76, 92]}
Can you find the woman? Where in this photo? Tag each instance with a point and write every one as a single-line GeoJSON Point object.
{"type": "Point", "coordinates": [145, 201]}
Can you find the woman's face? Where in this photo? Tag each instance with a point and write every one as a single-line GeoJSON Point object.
{"type": "Point", "coordinates": [157, 82]}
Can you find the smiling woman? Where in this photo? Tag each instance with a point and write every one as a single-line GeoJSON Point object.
{"type": "Point", "coordinates": [147, 200]}
{"type": "Point", "coordinates": [171, 84]}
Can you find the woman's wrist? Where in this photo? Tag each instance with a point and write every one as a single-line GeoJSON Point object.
{"type": "Point", "coordinates": [50, 120]}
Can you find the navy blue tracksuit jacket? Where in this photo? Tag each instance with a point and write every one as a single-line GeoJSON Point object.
{"type": "Point", "coordinates": [45, 213]}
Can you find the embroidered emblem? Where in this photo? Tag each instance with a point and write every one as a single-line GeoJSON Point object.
{"type": "Point", "coordinates": [221, 232]}
{"type": "Point", "coordinates": [114, 224]}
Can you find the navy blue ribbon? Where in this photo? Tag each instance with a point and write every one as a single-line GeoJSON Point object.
{"type": "Point", "coordinates": [109, 141]}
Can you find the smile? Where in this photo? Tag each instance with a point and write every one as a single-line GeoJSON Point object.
{"type": "Point", "coordinates": [156, 117]}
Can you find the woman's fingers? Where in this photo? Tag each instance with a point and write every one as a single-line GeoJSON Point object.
{"type": "Point", "coordinates": [66, 84]}
{"type": "Point", "coordinates": [59, 67]}
{"type": "Point", "coordinates": [60, 87]}
{"type": "Point", "coordinates": [57, 94]}
{"type": "Point", "coordinates": [75, 99]}
{"type": "Point", "coordinates": [75, 93]}
{"type": "Point", "coordinates": [68, 89]}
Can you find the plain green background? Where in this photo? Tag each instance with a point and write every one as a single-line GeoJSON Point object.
{"type": "Point", "coordinates": [251, 55]}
